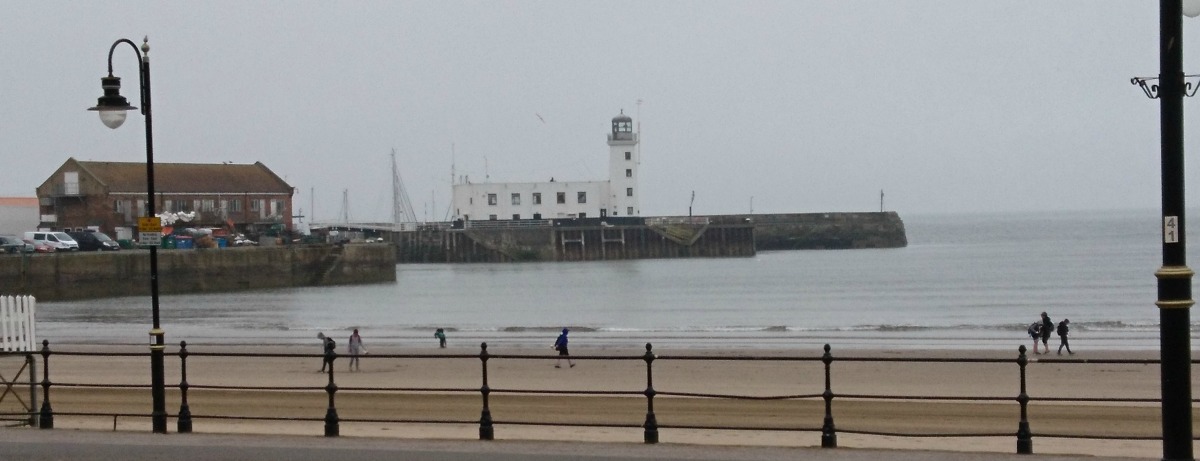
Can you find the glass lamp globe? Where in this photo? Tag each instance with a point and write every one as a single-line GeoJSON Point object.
{"type": "Point", "coordinates": [112, 118]}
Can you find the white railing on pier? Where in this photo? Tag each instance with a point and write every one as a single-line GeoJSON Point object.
{"type": "Point", "coordinates": [17, 323]}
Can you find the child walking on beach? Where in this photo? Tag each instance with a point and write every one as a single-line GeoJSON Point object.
{"type": "Point", "coordinates": [441, 337]}
{"type": "Point", "coordinates": [560, 345]}
{"type": "Point", "coordinates": [1035, 332]}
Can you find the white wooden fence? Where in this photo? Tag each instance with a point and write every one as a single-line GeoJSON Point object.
{"type": "Point", "coordinates": [17, 323]}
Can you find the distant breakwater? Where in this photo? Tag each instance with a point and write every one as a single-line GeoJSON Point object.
{"type": "Point", "coordinates": [89, 275]}
{"type": "Point", "coordinates": [599, 239]}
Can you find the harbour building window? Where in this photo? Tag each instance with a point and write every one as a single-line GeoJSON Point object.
{"type": "Point", "coordinates": [235, 206]}
{"type": "Point", "coordinates": [628, 173]}
{"type": "Point", "coordinates": [492, 200]}
{"type": "Point", "coordinates": [516, 200]}
{"type": "Point", "coordinates": [629, 192]}
{"type": "Point", "coordinates": [492, 217]}
{"type": "Point", "coordinates": [255, 205]}
{"type": "Point", "coordinates": [537, 198]}
{"type": "Point", "coordinates": [562, 197]}
{"type": "Point", "coordinates": [582, 197]}
{"type": "Point", "coordinates": [516, 217]}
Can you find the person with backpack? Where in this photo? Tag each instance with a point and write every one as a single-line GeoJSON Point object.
{"type": "Point", "coordinates": [329, 347]}
{"type": "Point", "coordinates": [1063, 329]}
{"type": "Point", "coordinates": [1035, 332]}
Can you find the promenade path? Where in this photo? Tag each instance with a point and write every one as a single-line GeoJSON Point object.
{"type": "Point", "coordinates": [77, 445]}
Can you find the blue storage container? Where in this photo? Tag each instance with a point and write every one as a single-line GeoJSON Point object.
{"type": "Point", "coordinates": [183, 242]}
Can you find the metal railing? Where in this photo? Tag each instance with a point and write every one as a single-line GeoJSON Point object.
{"type": "Point", "coordinates": [650, 425]}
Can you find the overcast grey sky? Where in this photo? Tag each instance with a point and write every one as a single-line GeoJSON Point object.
{"type": "Point", "coordinates": [789, 106]}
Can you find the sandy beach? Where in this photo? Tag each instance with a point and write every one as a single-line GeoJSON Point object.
{"type": "Point", "coordinates": [362, 400]}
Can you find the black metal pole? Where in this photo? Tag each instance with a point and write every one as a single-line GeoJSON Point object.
{"type": "Point", "coordinates": [486, 430]}
{"type": "Point", "coordinates": [46, 417]}
{"type": "Point", "coordinates": [332, 427]}
{"type": "Point", "coordinates": [1174, 277]}
{"type": "Point", "coordinates": [828, 431]}
{"type": "Point", "coordinates": [651, 424]}
{"type": "Point", "coordinates": [184, 422]}
{"type": "Point", "coordinates": [1024, 436]}
{"type": "Point", "coordinates": [157, 381]}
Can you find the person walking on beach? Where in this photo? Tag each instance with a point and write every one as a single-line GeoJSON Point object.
{"type": "Point", "coordinates": [1063, 329]}
{"type": "Point", "coordinates": [356, 349]}
{"type": "Point", "coordinates": [1047, 328]}
{"type": "Point", "coordinates": [441, 337]}
{"type": "Point", "coordinates": [560, 345]}
{"type": "Point", "coordinates": [1035, 332]}
{"type": "Point", "coordinates": [328, 348]}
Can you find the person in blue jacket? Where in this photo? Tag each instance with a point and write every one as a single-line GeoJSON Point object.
{"type": "Point", "coordinates": [560, 345]}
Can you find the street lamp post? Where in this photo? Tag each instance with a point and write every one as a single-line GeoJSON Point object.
{"type": "Point", "coordinates": [1174, 277]}
{"type": "Point", "coordinates": [112, 108]}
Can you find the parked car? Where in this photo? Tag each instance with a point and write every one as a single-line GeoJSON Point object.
{"type": "Point", "coordinates": [90, 240]}
{"type": "Point", "coordinates": [12, 245]}
{"type": "Point", "coordinates": [59, 240]}
{"type": "Point", "coordinates": [39, 247]}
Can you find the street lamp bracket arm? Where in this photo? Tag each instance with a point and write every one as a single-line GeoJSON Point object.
{"type": "Point", "coordinates": [142, 57]}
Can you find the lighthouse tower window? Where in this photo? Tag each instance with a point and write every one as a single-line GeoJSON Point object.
{"type": "Point", "coordinates": [629, 192]}
{"type": "Point", "coordinates": [629, 156]}
{"type": "Point", "coordinates": [628, 173]}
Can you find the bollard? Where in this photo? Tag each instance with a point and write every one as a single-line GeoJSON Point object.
{"type": "Point", "coordinates": [486, 431]}
{"type": "Point", "coordinates": [46, 418]}
{"type": "Point", "coordinates": [651, 425]}
{"type": "Point", "coordinates": [828, 432]}
{"type": "Point", "coordinates": [1024, 436]}
{"type": "Point", "coordinates": [184, 424]}
{"type": "Point", "coordinates": [331, 416]}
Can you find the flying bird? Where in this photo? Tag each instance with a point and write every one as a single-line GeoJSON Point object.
{"type": "Point", "coordinates": [539, 116]}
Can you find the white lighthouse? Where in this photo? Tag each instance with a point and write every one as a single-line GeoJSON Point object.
{"type": "Point", "coordinates": [616, 196]}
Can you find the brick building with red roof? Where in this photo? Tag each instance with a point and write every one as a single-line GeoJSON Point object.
{"type": "Point", "coordinates": [110, 196]}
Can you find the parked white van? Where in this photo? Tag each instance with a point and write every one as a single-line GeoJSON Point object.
{"type": "Point", "coordinates": [59, 240]}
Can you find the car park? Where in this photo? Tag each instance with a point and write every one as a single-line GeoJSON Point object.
{"type": "Point", "coordinates": [90, 240]}
{"type": "Point", "coordinates": [59, 240]}
{"type": "Point", "coordinates": [10, 244]}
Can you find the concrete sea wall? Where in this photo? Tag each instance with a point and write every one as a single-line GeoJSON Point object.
{"type": "Point", "coordinates": [65, 276]}
{"type": "Point", "coordinates": [636, 238]}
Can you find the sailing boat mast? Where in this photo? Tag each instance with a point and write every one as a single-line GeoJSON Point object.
{"type": "Point", "coordinates": [402, 210]}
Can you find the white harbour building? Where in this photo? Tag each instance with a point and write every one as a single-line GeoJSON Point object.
{"type": "Point", "coordinates": [616, 196]}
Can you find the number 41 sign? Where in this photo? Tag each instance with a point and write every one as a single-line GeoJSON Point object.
{"type": "Point", "coordinates": [1170, 229]}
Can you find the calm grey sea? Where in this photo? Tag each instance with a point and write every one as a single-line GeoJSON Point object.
{"type": "Point", "coordinates": [964, 281]}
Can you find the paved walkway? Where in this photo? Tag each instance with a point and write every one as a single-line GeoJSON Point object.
{"type": "Point", "coordinates": [61, 444]}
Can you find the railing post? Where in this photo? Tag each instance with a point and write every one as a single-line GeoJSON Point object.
{"type": "Point", "coordinates": [486, 431]}
{"type": "Point", "coordinates": [651, 425]}
{"type": "Point", "coordinates": [331, 416]}
{"type": "Point", "coordinates": [184, 423]}
{"type": "Point", "coordinates": [828, 432]}
{"type": "Point", "coordinates": [1024, 437]}
{"type": "Point", "coordinates": [46, 418]}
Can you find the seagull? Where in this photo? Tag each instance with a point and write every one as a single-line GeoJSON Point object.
{"type": "Point", "coordinates": [539, 116]}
